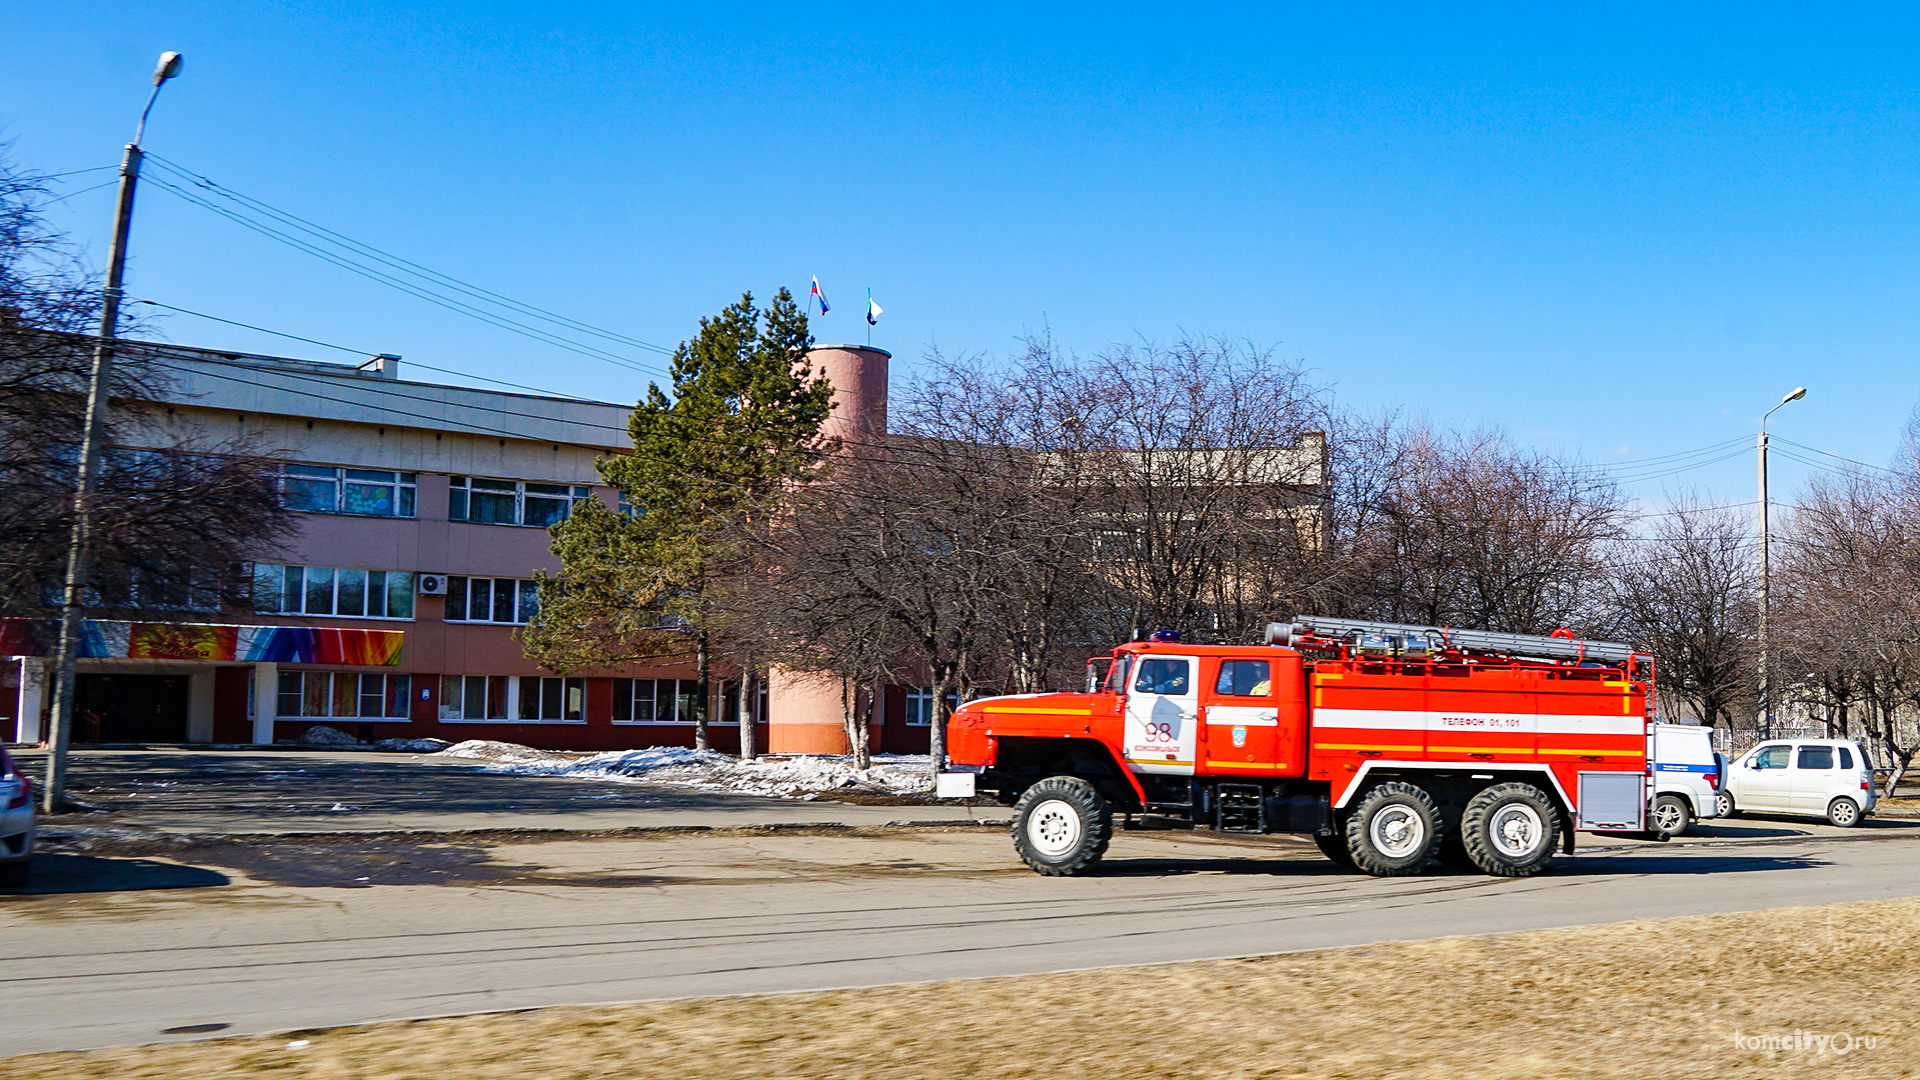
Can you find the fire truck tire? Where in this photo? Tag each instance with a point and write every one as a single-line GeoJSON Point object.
{"type": "Point", "coordinates": [1393, 831]}
{"type": "Point", "coordinates": [1510, 830]}
{"type": "Point", "coordinates": [1671, 815]}
{"type": "Point", "coordinates": [1061, 826]}
{"type": "Point", "coordinates": [1334, 847]}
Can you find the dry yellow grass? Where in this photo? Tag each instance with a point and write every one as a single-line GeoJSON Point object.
{"type": "Point", "coordinates": [1657, 998]}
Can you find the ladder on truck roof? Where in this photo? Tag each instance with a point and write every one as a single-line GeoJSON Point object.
{"type": "Point", "coordinates": [1307, 627]}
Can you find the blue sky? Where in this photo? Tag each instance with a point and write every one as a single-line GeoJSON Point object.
{"type": "Point", "coordinates": [1619, 235]}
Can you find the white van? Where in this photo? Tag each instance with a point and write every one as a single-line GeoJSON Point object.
{"type": "Point", "coordinates": [1686, 777]}
{"type": "Point", "coordinates": [1828, 778]}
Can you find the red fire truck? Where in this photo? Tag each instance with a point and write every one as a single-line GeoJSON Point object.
{"type": "Point", "coordinates": [1392, 745]}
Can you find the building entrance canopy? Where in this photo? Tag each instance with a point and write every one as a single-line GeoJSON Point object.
{"type": "Point", "coordinates": [208, 642]}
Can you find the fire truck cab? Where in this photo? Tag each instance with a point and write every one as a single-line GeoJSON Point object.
{"type": "Point", "coordinates": [1392, 745]}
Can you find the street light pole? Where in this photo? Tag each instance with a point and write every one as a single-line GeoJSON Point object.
{"type": "Point", "coordinates": [1765, 702]}
{"type": "Point", "coordinates": [99, 387]}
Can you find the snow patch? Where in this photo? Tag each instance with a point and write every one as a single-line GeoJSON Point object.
{"type": "Point", "coordinates": [322, 735]}
{"type": "Point", "coordinates": [413, 746]}
{"type": "Point", "coordinates": [784, 776]}
{"type": "Point", "coordinates": [501, 752]}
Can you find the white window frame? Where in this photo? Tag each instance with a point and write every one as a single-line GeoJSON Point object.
{"type": "Point", "coordinates": [920, 704]}
{"type": "Point", "coordinates": [356, 689]}
{"type": "Point", "coordinates": [405, 487]}
{"type": "Point", "coordinates": [493, 690]}
{"type": "Point", "coordinates": [525, 600]}
{"type": "Point", "coordinates": [626, 692]}
{"type": "Point", "coordinates": [270, 593]}
{"type": "Point", "coordinates": [202, 595]}
{"type": "Point", "coordinates": [460, 491]}
{"type": "Point", "coordinates": [536, 694]}
{"type": "Point", "coordinates": [508, 699]}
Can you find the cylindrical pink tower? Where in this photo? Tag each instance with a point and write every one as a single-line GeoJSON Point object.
{"type": "Point", "coordinates": [804, 712]}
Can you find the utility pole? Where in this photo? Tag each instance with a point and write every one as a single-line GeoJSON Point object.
{"type": "Point", "coordinates": [1765, 702]}
{"type": "Point", "coordinates": [99, 388]}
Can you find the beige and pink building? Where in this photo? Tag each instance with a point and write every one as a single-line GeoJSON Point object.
{"type": "Point", "coordinates": [422, 513]}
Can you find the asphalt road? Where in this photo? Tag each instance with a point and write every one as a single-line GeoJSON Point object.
{"type": "Point", "coordinates": [258, 935]}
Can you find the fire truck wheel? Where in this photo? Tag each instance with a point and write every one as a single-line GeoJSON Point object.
{"type": "Point", "coordinates": [1334, 847]}
{"type": "Point", "coordinates": [1510, 830]}
{"type": "Point", "coordinates": [1671, 815]}
{"type": "Point", "coordinates": [1393, 831]}
{"type": "Point", "coordinates": [1061, 826]}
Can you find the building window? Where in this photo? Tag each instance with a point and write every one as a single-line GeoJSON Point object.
{"type": "Point", "coordinates": [920, 705]}
{"type": "Point", "coordinates": [545, 698]}
{"type": "Point", "coordinates": [527, 699]}
{"type": "Point", "coordinates": [323, 489]}
{"type": "Point", "coordinates": [511, 502]}
{"type": "Point", "coordinates": [474, 697]}
{"type": "Point", "coordinates": [329, 590]}
{"type": "Point", "coordinates": [144, 589]}
{"type": "Point", "coordinates": [343, 695]}
{"type": "Point", "coordinates": [655, 701]}
{"type": "Point", "coordinates": [492, 600]}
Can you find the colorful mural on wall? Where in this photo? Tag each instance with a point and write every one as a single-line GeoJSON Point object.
{"type": "Point", "coordinates": [199, 641]}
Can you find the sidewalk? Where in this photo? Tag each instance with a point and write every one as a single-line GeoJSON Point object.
{"type": "Point", "coordinates": [278, 792]}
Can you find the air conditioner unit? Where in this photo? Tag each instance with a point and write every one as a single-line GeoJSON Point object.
{"type": "Point", "coordinates": [433, 584]}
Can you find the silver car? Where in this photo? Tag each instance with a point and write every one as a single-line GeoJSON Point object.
{"type": "Point", "coordinates": [16, 823]}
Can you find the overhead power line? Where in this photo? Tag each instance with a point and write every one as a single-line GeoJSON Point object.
{"type": "Point", "coordinates": [374, 264]}
{"type": "Point", "coordinates": [73, 172]}
{"type": "Point", "coordinates": [82, 191]}
{"type": "Point", "coordinates": [1635, 463]}
{"type": "Point", "coordinates": [1839, 457]}
{"type": "Point", "coordinates": [354, 352]}
{"type": "Point", "coordinates": [410, 288]}
{"type": "Point", "coordinates": [328, 235]}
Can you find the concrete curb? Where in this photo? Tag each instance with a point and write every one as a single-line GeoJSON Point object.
{"type": "Point", "coordinates": [60, 839]}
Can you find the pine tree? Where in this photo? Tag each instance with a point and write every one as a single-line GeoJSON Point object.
{"type": "Point", "coordinates": [741, 428]}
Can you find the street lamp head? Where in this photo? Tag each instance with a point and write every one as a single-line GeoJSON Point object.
{"type": "Point", "coordinates": [170, 65]}
{"type": "Point", "coordinates": [1798, 393]}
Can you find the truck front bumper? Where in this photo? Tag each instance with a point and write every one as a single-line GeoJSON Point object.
{"type": "Point", "coordinates": [957, 782]}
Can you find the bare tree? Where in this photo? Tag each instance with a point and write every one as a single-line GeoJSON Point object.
{"type": "Point", "coordinates": [1212, 456]}
{"type": "Point", "coordinates": [1852, 559]}
{"type": "Point", "coordinates": [1684, 591]}
{"type": "Point", "coordinates": [173, 514]}
{"type": "Point", "coordinates": [1472, 531]}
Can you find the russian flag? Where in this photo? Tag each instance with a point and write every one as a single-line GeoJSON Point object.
{"type": "Point", "coordinates": [818, 295]}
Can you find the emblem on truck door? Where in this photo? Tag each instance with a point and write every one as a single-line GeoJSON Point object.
{"type": "Point", "coordinates": [1239, 736]}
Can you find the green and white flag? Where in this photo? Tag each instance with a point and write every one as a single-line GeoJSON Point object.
{"type": "Point", "coordinates": [873, 310]}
